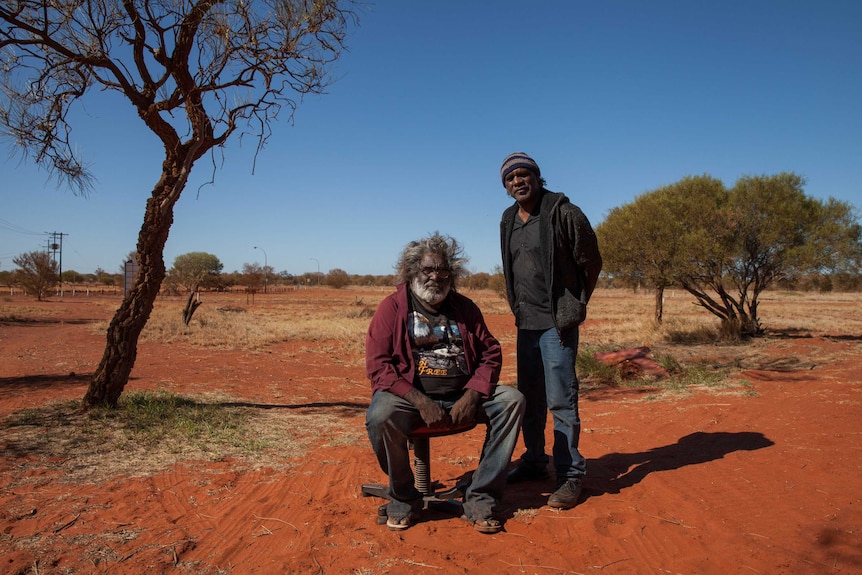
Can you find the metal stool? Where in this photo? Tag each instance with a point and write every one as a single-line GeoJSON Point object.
{"type": "Point", "coordinates": [420, 442]}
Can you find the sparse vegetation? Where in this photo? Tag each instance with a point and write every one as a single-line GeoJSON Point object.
{"type": "Point", "coordinates": [253, 328]}
{"type": "Point", "coordinates": [146, 432]}
{"type": "Point", "coordinates": [37, 273]}
{"type": "Point", "coordinates": [149, 430]}
{"type": "Point", "coordinates": [264, 439]}
{"type": "Point", "coordinates": [725, 246]}
{"type": "Point", "coordinates": [525, 515]}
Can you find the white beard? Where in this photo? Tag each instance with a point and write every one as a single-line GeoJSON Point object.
{"type": "Point", "coordinates": [430, 292]}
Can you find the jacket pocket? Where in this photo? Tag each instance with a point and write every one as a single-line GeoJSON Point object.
{"type": "Point", "coordinates": [571, 311]}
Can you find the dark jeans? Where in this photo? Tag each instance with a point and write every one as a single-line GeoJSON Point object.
{"type": "Point", "coordinates": [389, 421]}
{"type": "Point", "coordinates": [546, 377]}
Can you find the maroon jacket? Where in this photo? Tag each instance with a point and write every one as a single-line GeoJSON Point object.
{"type": "Point", "coordinates": [389, 357]}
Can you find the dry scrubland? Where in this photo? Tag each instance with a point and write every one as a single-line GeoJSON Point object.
{"type": "Point", "coordinates": [241, 446]}
{"type": "Point", "coordinates": [330, 325]}
{"type": "Point", "coordinates": [616, 317]}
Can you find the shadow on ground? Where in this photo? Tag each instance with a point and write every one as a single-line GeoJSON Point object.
{"type": "Point", "coordinates": [614, 472]}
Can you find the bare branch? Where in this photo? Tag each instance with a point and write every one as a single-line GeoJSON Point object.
{"type": "Point", "coordinates": [193, 69]}
{"type": "Point", "coordinates": [195, 72]}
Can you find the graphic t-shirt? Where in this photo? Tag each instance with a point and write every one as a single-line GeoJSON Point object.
{"type": "Point", "coordinates": [441, 369]}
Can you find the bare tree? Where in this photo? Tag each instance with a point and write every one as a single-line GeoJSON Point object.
{"type": "Point", "coordinates": [37, 273]}
{"type": "Point", "coordinates": [253, 274]}
{"type": "Point", "coordinates": [194, 71]}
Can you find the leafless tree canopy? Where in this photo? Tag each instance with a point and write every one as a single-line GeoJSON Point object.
{"type": "Point", "coordinates": [195, 70]}
{"type": "Point", "coordinates": [37, 273]}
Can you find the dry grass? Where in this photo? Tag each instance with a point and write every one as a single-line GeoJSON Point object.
{"type": "Point", "coordinates": [525, 515]}
{"type": "Point", "coordinates": [149, 432]}
{"type": "Point", "coordinates": [622, 318]}
{"type": "Point", "coordinates": [335, 321]}
{"type": "Point", "coordinates": [617, 318]}
{"type": "Point", "coordinates": [60, 436]}
{"type": "Point", "coordinates": [231, 321]}
{"type": "Point", "coordinates": [688, 343]}
{"type": "Point", "coordinates": [489, 302]}
{"type": "Point", "coordinates": [145, 434]}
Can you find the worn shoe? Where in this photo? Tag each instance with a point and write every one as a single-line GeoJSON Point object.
{"type": "Point", "coordinates": [488, 525]}
{"type": "Point", "coordinates": [527, 472]}
{"type": "Point", "coordinates": [567, 494]}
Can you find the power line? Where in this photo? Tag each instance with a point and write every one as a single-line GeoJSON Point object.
{"type": "Point", "coordinates": [6, 225]}
{"type": "Point", "coordinates": [15, 228]}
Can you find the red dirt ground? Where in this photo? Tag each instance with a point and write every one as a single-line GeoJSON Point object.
{"type": "Point", "coordinates": [707, 482]}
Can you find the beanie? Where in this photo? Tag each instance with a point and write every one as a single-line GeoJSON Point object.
{"type": "Point", "coordinates": [518, 160]}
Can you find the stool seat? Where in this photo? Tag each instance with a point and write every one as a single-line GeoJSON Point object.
{"type": "Point", "coordinates": [419, 442]}
{"type": "Point", "coordinates": [426, 431]}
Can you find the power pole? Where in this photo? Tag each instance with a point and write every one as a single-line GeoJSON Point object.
{"type": "Point", "coordinates": [57, 246]}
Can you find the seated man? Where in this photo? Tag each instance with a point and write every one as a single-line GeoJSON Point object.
{"type": "Point", "coordinates": [432, 361]}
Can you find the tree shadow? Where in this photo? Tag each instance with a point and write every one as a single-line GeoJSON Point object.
{"type": "Point", "coordinates": [614, 472]}
{"type": "Point", "coordinates": [801, 333]}
{"type": "Point", "coordinates": [844, 337]}
{"type": "Point", "coordinates": [36, 382]}
{"type": "Point", "coordinates": [13, 321]}
{"type": "Point", "coordinates": [345, 405]}
{"type": "Point", "coordinates": [15, 385]}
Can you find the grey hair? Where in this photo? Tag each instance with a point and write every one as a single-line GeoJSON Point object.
{"type": "Point", "coordinates": [446, 247]}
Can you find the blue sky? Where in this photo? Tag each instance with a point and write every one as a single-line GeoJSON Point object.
{"type": "Point", "coordinates": [612, 98]}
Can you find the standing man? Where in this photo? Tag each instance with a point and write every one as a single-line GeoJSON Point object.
{"type": "Point", "coordinates": [433, 362]}
{"type": "Point", "coordinates": [551, 263]}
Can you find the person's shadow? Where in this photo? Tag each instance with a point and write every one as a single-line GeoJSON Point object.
{"type": "Point", "coordinates": [614, 472]}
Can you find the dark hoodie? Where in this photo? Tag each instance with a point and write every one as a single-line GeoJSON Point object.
{"type": "Point", "coordinates": [572, 260]}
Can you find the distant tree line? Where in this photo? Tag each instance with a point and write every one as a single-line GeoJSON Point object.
{"type": "Point", "coordinates": [724, 246]}
{"type": "Point", "coordinates": [202, 271]}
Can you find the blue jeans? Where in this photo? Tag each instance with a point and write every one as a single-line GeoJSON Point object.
{"type": "Point", "coordinates": [547, 378]}
{"type": "Point", "coordinates": [391, 418]}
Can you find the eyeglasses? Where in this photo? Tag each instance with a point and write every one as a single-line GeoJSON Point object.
{"type": "Point", "coordinates": [442, 273]}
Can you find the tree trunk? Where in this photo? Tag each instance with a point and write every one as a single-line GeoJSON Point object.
{"type": "Point", "coordinates": [659, 304]}
{"type": "Point", "coordinates": [191, 305]}
{"type": "Point", "coordinates": [112, 375]}
{"type": "Point", "coordinates": [749, 325]}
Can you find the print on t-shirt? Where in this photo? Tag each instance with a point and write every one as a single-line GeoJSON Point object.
{"type": "Point", "coordinates": [437, 350]}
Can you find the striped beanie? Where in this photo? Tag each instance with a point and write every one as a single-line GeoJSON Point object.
{"type": "Point", "coordinates": [518, 160]}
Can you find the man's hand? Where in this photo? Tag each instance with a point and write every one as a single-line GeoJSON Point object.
{"type": "Point", "coordinates": [464, 410]}
{"type": "Point", "coordinates": [432, 414]}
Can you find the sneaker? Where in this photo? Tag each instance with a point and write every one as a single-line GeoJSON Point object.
{"type": "Point", "coordinates": [527, 472]}
{"type": "Point", "coordinates": [567, 494]}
